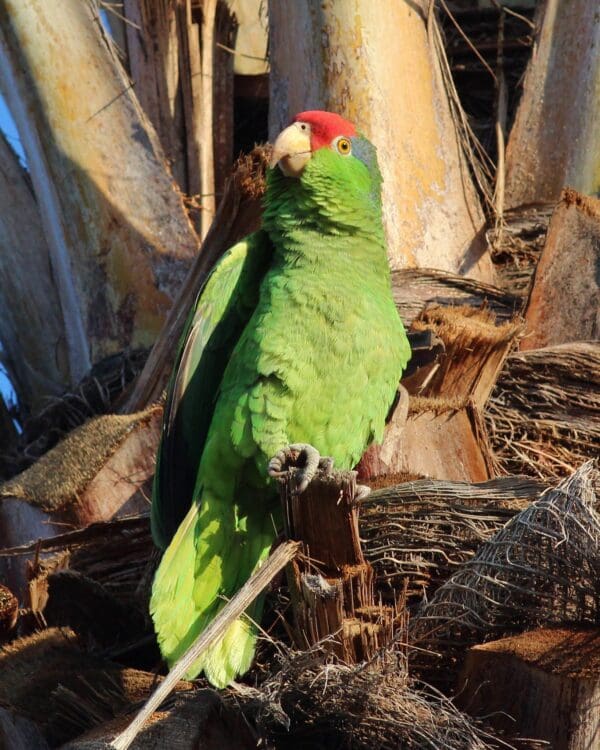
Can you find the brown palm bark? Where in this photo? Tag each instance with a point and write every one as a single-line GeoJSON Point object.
{"type": "Point", "coordinates": [178, 56]}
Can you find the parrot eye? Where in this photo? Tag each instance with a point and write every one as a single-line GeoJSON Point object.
{"type": "Point", "coordinates": [343, 146]}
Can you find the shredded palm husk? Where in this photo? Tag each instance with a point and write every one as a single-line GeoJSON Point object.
{"type": "Point", "coordinates": [542, 568]}
{"type": "Point", "coordinates": [312, 702]}
{"type": "Point", "coordinates": [543, 417]}
{"type": "Point", "coordinates": [418, 533]}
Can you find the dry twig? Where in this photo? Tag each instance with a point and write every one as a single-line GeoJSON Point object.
{"type": "Point", "coordinates": [230, 612]}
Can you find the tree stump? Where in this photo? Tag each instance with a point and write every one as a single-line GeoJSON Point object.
{"type": "Point", "coordinates": [564, 304]}
{"type": "Point", "coordinates": [544, 684]}
{"type": "Point", "coordinates": [331, 583]}
{"type": "Point", "coordinates": [445, 436]}
{"type": "Point", "coordinates": [101, 471]}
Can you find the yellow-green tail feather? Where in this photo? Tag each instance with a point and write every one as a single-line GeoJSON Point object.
{"type": "Point", "coordinates": [209, 559]}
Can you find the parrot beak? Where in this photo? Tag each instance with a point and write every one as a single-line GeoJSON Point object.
{"type": "Point", "coordinates": [292, 150]}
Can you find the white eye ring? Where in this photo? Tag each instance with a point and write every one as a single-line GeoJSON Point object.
{"type": "Point", "coordinates": [303, 126]}
{"type": "Point", "coordinates": [342, 145]}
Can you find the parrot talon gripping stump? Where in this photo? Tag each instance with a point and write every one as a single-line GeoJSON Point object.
{"type": "Point", "coordinates": [306, 458]}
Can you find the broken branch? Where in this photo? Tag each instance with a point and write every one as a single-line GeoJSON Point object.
{"type": "Point", "coordinates": [232, 610]}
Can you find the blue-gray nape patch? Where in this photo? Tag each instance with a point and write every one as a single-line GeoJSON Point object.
{"type": "Point", "coordinates": [366, 152]}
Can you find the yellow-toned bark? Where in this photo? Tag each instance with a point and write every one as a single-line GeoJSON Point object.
{"type": "Point", "coordinates": [119, 238]}
{"type": "Point", "coordinates": [373, 63]}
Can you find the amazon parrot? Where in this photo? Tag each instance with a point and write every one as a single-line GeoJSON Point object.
{"type": "Point", "coordinates": [294, 340]}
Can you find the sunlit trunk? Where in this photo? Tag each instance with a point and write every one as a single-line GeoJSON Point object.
{"type": "Point", "coordinates": [119, 238]}
{"type": "Point", "coordinates": [555, 141]}
{"type": "Point", "coordinates": [379, 65]}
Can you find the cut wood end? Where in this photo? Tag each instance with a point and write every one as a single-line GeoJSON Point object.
{"type": "Point", "coordinates": [323, 518]}
{"type": "Point", "coordinates": [587, 203]}
{"type": "Point", "coordinates": [331, 585]}
{"type": "Point", "coordinates": [543, 684]}
{"type": "Point", "coordinates": [62, 474]}
{"type": "Point", "coordinates": [561, 651]}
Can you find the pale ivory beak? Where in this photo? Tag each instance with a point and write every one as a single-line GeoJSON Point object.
{"type": "Point", "coordinates": [291, 150]}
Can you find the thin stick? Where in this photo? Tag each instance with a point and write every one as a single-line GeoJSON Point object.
{"type": "Point", "coordinates": [207, 161]}
{"type": "Point", "coordinates": [514, 13]}
{"type": "Point", "coordinates": [77, 537]}
{"type": "Point", "coordinates": [467, 40]}
{"type": "Point", "coordinates": [501, 118]}
{"type": "Point", "coordinates": [230, 612]}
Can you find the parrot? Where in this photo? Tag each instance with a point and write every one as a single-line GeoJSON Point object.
{"type": "Point", "coordinates": [294, 343]}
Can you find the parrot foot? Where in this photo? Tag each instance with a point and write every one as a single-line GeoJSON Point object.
{"type": "Point", "coordinates": [306, 457]}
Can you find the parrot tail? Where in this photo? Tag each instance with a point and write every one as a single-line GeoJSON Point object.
{"type": "Point", "coordinates": [209, 559]}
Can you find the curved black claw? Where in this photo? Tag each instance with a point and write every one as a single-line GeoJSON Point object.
{"type": "Point", "coordinates": [305, 457]}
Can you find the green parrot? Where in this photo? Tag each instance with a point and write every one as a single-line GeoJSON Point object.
{"type": "Point", "coordinates": [294, 341]}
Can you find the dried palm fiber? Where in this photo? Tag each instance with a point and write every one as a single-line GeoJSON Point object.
{"type": "Point", "coordinates": [418, 533]}
{"type": "Point", "coordinates": [120, 557]}
{"type": "Point", "coordinates": [50, 678]}
{"type": "Point", "coordinates": [97, 580]}
{"type": "Point", "coordinates": [416, 288]}
{"type": "Point", "coordinates": [114, 552]}
{"type": "Point", "coordinates": [543, 417]}
{"type": "Point", "coordinates": [60, 476]}
{"type": "Point", "coordinates": [319, 705]}
{"type": "Point", "coordinates": [516, 245]}
{"type": "Point", "coordinates": [543, 567]}
{"type": "Point", "coordinates": [476, 344]}
{"type": "Point", "coordinates": [96, 394]}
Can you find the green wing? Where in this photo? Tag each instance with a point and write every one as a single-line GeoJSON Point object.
{"type": "Point", "coordinates": [224, 306]}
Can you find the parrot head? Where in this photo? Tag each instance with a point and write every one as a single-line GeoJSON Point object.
{"type": "Point", "coordinates": [329, 161]}
{"type": "Point", "coordinates": [309, 132]}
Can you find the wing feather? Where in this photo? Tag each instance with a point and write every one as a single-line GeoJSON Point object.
{"type": "Point", "coordinates": [223, 307]}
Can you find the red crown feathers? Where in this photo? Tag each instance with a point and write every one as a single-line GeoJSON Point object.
{"type": "Point", "coordinates": [325, 126]}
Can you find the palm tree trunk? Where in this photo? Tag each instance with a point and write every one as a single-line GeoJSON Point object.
{"type": "Point", "coordinates": [31, 324]}
{"type": "Point", "coordinates": [119, 238]}
{"type": "Point", "coordinates": [379, 65]}
{"type": "Point", "coordinates": [555, 141]}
